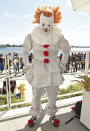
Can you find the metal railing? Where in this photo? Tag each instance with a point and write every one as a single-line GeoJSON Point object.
{"type": "Point", "coordinates": [7, 77]}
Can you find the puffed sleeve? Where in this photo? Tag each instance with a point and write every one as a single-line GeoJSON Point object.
{"type": "Point", "coordinates": [27, 46]}
{"type": "Point", "coordinates": [65, 48]}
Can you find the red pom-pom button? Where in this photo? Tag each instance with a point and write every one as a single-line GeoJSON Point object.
{"type": "Point", "coordinates": [30, 122]}
{"type": "Point", "coordinates": [46, 61]}
{"type": "Point", "coordinates": [56, 122]}
{"type": "Point", "coordinates": [45, 53]}
{"type": "Point", "coordinates": [45, 46]}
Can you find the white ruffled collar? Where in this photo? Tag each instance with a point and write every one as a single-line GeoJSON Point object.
{"type": "Point", "coordinates": [42, 38]}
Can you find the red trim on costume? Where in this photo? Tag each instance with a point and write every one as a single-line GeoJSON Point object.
{"type": "Point", "coordinates": [30, 122]}
{"type": "Point", "coordinates": [45, 46]}
{"type": "Point", "coordinates": [45, 53]}
{"type": "Point", "coordinates": [46, 61]}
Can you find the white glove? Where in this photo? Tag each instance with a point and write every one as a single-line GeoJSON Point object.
{"type": "Point", "coordinates": [62, 66]}
{"type": "Point", "coordinates": [27, 67]}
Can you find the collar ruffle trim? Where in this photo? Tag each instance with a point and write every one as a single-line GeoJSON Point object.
{"type": "Point", "coordinates": [46, 38]}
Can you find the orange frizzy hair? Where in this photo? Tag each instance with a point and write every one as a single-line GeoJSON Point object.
{"type": "Point", "coordinates": [47, 11]}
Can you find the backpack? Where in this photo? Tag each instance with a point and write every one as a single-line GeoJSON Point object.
{"type": "Point", "coordinates": [78, 107]}
{"type": "Point", "coordinates": [77, 110]}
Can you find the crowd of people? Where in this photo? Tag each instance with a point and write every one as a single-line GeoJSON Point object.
{"type": "Point", "coordinates": [14, 61]}
{"type": "Point", "coordinates": [76, 62]}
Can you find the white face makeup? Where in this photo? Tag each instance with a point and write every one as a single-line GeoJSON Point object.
{"type": "Point", "coordinates": [46, 23]}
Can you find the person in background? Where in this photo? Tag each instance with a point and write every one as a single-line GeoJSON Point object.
{"type": "Point", "coordinates": [21, 65]}
{"type": "Point", "coordinates": [30, 57]}
{"type": "Point", "coordinates": [1, 63]}
{"type": "Point", "coordinates": [76, 62]}
{"type": "Point", "coordinates": [83, 62]}
{"type": "Point", "coordinates": [12, 86]}
{"type": "Point", "coordinates": [79, 61]}
{"type": "Point", "coordinates": [10, 59]}
{"type": "Point", "coordinates": [68, 65]}
{"type": "Point", "coordinates": [15, 61]}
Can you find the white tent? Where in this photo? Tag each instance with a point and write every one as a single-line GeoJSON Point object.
{"type": "Point", "coordinates": [81, 5]}
{"type": "Point", "coordinates": [84, 6]}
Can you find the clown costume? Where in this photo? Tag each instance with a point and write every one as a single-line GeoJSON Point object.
{"type": "Point", "coordinates": [46, 69]}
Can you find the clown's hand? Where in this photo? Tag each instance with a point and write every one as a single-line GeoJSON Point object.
{"type": "Point", "coordinates": [63, 66]}
{"type": "Point", "coordinates": [27, 67]}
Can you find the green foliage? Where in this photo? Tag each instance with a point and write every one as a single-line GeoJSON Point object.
{"type": "Point", "coordinates": [14, 99]}
{"type": "Point", "coordinates": [4, 109]}
{"type": "Point", "coordinates": [21, 105]}
{"type": "Point", "coordinates": [3, 100]}
{"type": "Point", "coordinates": [43, 101]}
{"type": "Point", "coordinates": [71, 88]}
{"type": "Point", "coordinates": [85, 82]}
{"type": "Point", "coordinates": [64, 97]}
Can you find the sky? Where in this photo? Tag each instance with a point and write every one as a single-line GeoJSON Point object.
{"type": "Point", "coordinates": [16, 18]}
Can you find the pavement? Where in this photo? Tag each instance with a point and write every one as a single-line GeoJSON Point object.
{"type": "Point", "coordinates": [64, 114]}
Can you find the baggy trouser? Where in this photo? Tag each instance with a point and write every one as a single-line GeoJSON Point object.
{"type": "Point", "coordinates": [51, 108]}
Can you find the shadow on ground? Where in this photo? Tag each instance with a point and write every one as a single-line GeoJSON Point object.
{"type": "Point", "coordinates": [74, 125]}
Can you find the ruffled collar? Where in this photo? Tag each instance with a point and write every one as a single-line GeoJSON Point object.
{"type": "Point", "coordinates": [46, 38]}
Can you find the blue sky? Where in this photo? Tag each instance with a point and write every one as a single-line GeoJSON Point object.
{"type": "Point", "coordinates": [16, 21]}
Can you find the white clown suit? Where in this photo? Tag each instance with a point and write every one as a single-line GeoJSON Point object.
{"type": "Point", "coordinates": [46, 69]}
